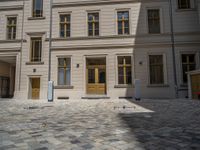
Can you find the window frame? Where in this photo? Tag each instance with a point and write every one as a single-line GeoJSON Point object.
{"type": "Point", "coordinates": [147, 13]}
{"type": "Point", "coordinates": [31, 48]}
{"type": "Point", "coordinates": [165, 72]}
{"type": "Point", "coordinates": [87, 22]}
{"type": "Point", "coordinates": [196, 64]}
{"type": "Point", "coordinates": [65, 23]}
{"type": "Point", "coordinates": [64, 57]}
{"type": "Point", "coordinates": [192, 5]}
{"type": "Point", "coordinates": [34, 15]}
{"type": "Point", "coordinates": [12, 26]}
{"type": "Point", "coordinates": [129, 22]}
{"type": "Point", "coordinates": [117, 70]}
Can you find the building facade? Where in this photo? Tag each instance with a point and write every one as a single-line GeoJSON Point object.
{"type": "Point", "coordinates": [97, 48]}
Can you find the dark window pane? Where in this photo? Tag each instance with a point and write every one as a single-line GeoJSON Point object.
{"type": "Point", "coordinates": [184, 4]}
{"type": "Point", "coordinates": [68, 76]}
{"type": "Point", "coordinates": [121, 75]}
{"type": "Point", "coordinates": [91, 75]}
{"type": "Point", "coordinates": [61, 62]}
{"type": "Point", "coordinates": [11, 28]}
{"type": "Point", "coordinates": [123, 22]}
{"type": "Point", "coordinates": [37, 8]}
{"type": "Point", "coordinates": [64, 71]}
{"type": "Point", "coordinates": [156, 69]}
{"type": "Point", "coordinates": [188, 64]}
{"type": "Point", "coordinates": [102, 76]}
{"type": "Point", "coordinates": [128, 59]}
{"type": "Point", "coordinates": [128, 75]}
{"type": "Point", "coordinates": [65, 25]}
{"type": "Point", "coordinates": [93, 24]}
{"type": "Point", "coordinates": [61, 76]}
{"type": "Point", "coordinates": [154, 20]}
{"type": "Point", "coordinates": [36, 49]}
{"type": "Point", "coordinates": [120, 60]}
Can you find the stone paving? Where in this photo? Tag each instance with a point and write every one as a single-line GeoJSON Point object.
{"type": "Point", "coordinates": [100, 125]}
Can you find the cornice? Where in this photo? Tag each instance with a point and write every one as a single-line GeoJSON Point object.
{"type": "Point", "coordinates": [11, 41]}
{"type": "Point", "coordinates": [124, 36]}
{"type": "Point", "coordinates": [14, 7]}
{"type": "Point", "coordinates": [118, 46]}
{"type": "Point", "coordinates": [17, 49]}
{"type": "Point", "coordinates": [89, 3]}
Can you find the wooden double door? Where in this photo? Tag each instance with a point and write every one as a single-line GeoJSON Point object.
{"type": "Point", "coordinates": [35, 88]}
{"type": "Point", "coordinates": [96, 76]}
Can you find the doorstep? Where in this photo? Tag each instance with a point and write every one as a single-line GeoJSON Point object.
{"type": "Point", "coordinates": [95, 97]}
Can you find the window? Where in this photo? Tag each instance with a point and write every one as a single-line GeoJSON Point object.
{"type": "Point", "coordinates": [36, 49]}
{"type": "Point", "coordinates": [154, 21]}
{"type": "Point", "coordinates": [37, 8]}
{"type": "Point", "coordinates": [188, 64]}
{"type": "Point", "coordinates": [124, 70]}
{"type": "Point", "coordinates": [93, 24]}
{"type": "Point", "coordinates": [156, 69]}
{"type": "Point", "coordinates": [11, 28]}
{"type": "Point", "coordinates": [64, 71]}
{"type": "Point", "coordinates": [65, 25]}
{"type": "Point", "coordinates": [123, 22]}
{"type": "Point", "coordinates": [184, 4]}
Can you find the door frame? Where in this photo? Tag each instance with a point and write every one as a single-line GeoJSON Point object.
{"type": "Point", "coordinates": [30, 87]}
{"type": "Point", "coordinates": [85, 70]}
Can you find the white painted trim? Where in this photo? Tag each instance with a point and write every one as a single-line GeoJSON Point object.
{"type": "Point", "coordinates": [161, 14]}
{"type": "Point", "coordinates": [116, 66]}
{"type": "Point", "coordinates": [165, 71]}
{"type": "Point", "coordinates": [71, 68]}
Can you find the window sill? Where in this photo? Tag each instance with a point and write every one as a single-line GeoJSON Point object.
{"type": "Point", "coordinates": [157, 85]}
{"type": "Point", "coordinates": [184, 85]}
{"type": "Point", "coordinates": [184, 10]}
{"type": "Point", "coordinates": [34, 63]}
{"type": "Point", "coordinates": [63, 87]}
{"type": "Point", "coordinates": [36, 18]}
{"type": "Point", "coordinates": [123, 86]}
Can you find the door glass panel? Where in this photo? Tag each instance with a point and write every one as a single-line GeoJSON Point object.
{"type": "Point", "coordinates": [102, 76]}
{"type": "Point", "coordinates": [91, 75]}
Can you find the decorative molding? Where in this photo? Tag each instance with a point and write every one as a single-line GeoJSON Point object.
{"type": "Point", "coordinates": [35, 33]}
{"type": "Point", "coordinates": [34, 63]}
{"type": "Point", "coordinates": [63, 87]}
{"type": "Point", "coordinates": [11, 41]}
{"type": "Point", "coordinates": [158, 86]}
{"type": "Point", "coordinates": [89, 3]}
{"type": "Point", "coordinates": [17, 49]}
{"type": "Point", "coordinates": [124, 36]}
{"type": "Point", "coordinates": [124, 86]}
{"type": "Point", "coordinates": [91, 38]}
{"type": "Point", "coordinates": [14, 7]}
{"type": "Point", "coordinates": [118, 46]}
{"type": "Point", "coordinates": [36, 18]}
{"type": "Point", "coordinates": [82, 47]}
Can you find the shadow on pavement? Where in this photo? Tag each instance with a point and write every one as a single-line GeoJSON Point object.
{"type": "Point", "coordinates": [174, 124]}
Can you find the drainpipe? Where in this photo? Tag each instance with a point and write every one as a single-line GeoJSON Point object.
{"type": "Point", "coordinates": [173, 46]}
{"type": "Point", "coordinates": [50, 83]}
{"type": "Point", "coordinates": [22, 39]}
{"type": "Point", "coordinates": [50, 42]}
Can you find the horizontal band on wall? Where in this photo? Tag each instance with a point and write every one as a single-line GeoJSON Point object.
{"type": "Point", "coordinates": [16, 7]}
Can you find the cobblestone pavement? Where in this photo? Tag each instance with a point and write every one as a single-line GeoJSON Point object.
{"type": "Point", "coordinates": [100, 124]}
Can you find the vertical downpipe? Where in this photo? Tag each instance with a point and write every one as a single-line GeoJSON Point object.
{"type": "Point", "coordinates": [22, 40]}
{"type": "Point", "coordinates": [173, 47]}
{"type": "Point", "coordinates": [50, 42]}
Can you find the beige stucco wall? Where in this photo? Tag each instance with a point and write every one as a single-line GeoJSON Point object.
{"type": "Point", "coordinates": [138, 44]}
